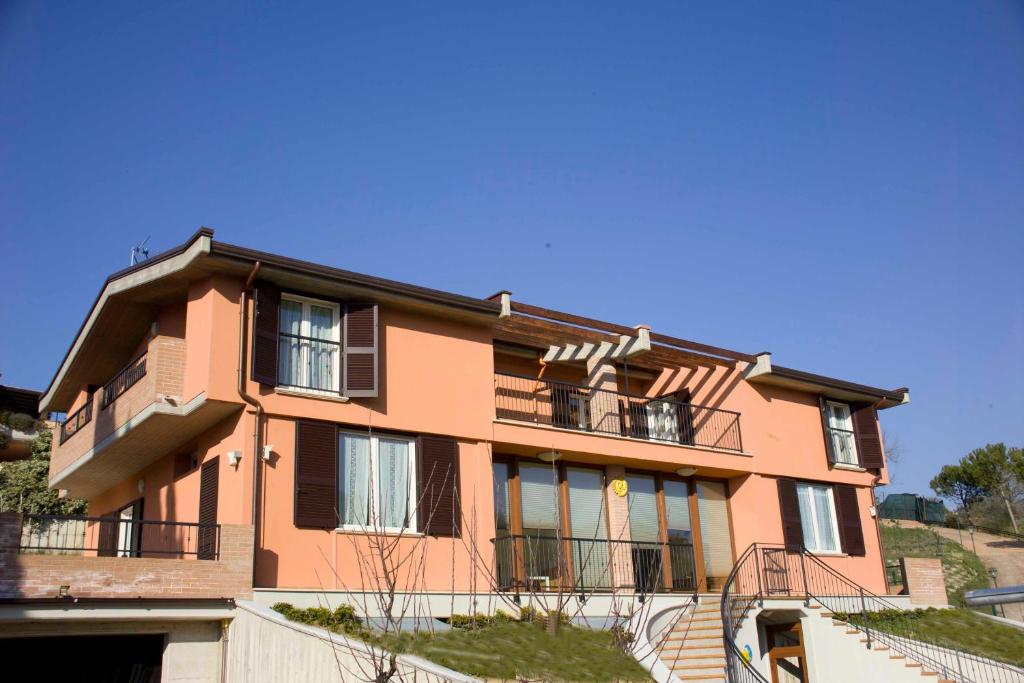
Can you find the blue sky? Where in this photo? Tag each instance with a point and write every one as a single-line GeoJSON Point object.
{"type": "Point", "coordinates": [839, 183]}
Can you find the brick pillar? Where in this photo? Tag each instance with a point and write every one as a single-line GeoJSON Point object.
{"type": "Point", "coordinates": [604, 407]}
{"type": "Point", "coordinates": [621, 557]}
{"type": "Point", "coordinates": [10, 539]}
{"type": "Point", "coordinates": [924, 581]}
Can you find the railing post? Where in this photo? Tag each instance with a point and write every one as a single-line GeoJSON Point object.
{"type": "Point", "coordinates": [757, 571]}
{"type": "Point", "coordinates": [864, 616]}
{"type": "Point", "coordinates": [803, 572]}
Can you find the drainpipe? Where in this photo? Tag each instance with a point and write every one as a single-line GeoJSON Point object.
{"type": "Point", "coordinates": [243, 319]}
{"type": "Point", "coordinates": [874, 504]}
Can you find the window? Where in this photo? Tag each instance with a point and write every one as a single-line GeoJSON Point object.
{"type": "Point", "coordinates": [376, 482]}
{"type": "Point", "coordinates": [309, 345]}
{"type": "Point", "coordinates": [818, 517]}
{"type": "Point", "coordinates": [840, 427]}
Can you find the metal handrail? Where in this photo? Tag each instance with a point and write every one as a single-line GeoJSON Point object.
{"type": "Point", "coordinates": [614, 412]}
{"type": "Point", "coordinates": [75, 421]}
{"type": "Point", "coordinates": [124, 380]}
{"type": "Point", "coordinates": [770, 570]}
{"type": "Point", "coordinates": [77, 534]}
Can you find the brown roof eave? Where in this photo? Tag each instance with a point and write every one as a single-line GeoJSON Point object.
{"type": "Point", "coordinates": [894, 395]}
{"type": "Point", "coordinates": [467, 304]}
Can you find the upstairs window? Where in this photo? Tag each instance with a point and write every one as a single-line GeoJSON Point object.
{"type": "Point", "coordinates": [309, 342]}
{"type": "Point", "coordinates": [818, 518]}
{"type": "Point", "coordinates": [840, 427]}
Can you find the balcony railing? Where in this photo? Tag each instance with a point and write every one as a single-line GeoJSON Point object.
{"type": "Point", "coordinates": [112, 536]}
{"type": "Point", "coordinates": [75, 421]}
{"type": "Point", "coordinates": [537, 563]}
{"type": "Point", "coordinates": [569, 406]}
{"type": "Point", "coordinates": [124, 380]}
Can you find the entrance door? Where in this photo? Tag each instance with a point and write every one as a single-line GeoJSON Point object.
{"type": "Point", "coordinates": [786, 654]}
{"type": "Point", "coordinates": [715, 537]}
{"type": "Point", "coordinates": [129, 532]}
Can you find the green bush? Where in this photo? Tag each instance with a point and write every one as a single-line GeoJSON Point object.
{"type": "Point", "coordinates": [342, 620]}
{"type": "Point", "coordinates": [476, 621]}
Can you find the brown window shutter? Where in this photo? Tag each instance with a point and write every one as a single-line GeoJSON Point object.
{"type": "Point", "coordinates": [316, 475]}
{"type": "Point", "coordinates": [438, 512]}
{"type": "Point", "coordinates": [361, 344]}
{"type": "Point", "coordinates": [106, 545]}
{"type": "Point", "coordinates": [848, 517]}
{"type": "Point", "coordinates": [792, 530]}
{"type": "Point", "coordinates": [209, 479]}
{"type": "Point", "coordinates": [829, 447]}
{"type": "Point", "coordinates": [266, 319]}
{"type": "Point", "coordinates": [869, 441]}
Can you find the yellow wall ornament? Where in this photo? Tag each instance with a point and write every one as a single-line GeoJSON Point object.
{"type": "Point", "coordinates": [619, 487]}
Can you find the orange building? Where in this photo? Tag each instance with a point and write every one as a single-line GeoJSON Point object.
{"type": "Point", "coordinates": [306, 413]}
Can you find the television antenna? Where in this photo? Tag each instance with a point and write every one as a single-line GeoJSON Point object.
{"type": "Point", "coordinates": [140, 252]}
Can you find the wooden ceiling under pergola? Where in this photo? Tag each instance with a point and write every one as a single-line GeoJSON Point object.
{"type": "Point", "coordinates": [538, 328]}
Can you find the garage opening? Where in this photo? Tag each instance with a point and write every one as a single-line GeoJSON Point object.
{"type": "Point", "coordinates": [101, 659]}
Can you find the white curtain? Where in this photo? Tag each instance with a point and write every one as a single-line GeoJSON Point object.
{"type": "Point", "coordinates": [824, 517]}
{"type": "Point", "coordinates": [803, 496]}
{"type": "Point", "coordinates": [393, 482]}
{"type": "Point", "coordinates": [321, 354]}
{"type": "Point", "coordinates": [354, 475]}
{"type": "Point", "coordinates": [643, 509]}
{"type": "Point", "coordinates": [289, 354]}
{"type": "Point", "coordinates": [662, 421]}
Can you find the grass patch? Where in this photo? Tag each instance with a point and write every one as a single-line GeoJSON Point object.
{"type": "Point", "coordinates": [498, 647]}
{"type": "Point", "coordinates": [961, 568]}
{"type": "Point", "coordinates": [959, 629]}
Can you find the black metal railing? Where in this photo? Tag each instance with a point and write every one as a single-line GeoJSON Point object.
{"type": "Point", "coordinates": [124, 380]}
{"type": "Point", "coordinates": [766, 571]}
{"type": "Point", "coordinates": [538, 563]}
{"type": "Point", "coordinates": [308, 363]}
{"type": "Point", "coordinates": [75, 421]}
{"type": "Point", "coordinates": [113, 536]}
{"type": "Point", "coordinates": [569, 406]}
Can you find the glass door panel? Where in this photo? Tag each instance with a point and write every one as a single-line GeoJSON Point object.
{"type": "Point", "coordinates": [680, 535]}
{"type": "Point", "coordinates": [538, 485]}
{"type": "Point", "coordinates": [589, 544]}
{"type": "Point", "coordinates": [644, 531]}
{"type": "Point", "coordinates": [716, 540]}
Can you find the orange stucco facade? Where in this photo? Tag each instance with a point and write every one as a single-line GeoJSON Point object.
{"type": "Point", "coordinates": [436, 376]}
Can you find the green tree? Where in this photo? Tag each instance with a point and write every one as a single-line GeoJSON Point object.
{"type": "Point", "coordinates": [1000, 472]}
{"type": "Point", "coordinates": [957, 483]}
{"type": "Point", "coordinates": [24, 485]}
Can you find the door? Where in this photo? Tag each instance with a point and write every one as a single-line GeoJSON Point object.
{"type": "Point", "coordinates": [538, 490]}
{"type": "Point", "coordinates": [786, 653]}
{"type": "Point", "coordinates": [644, 532]}
{"type": "Point", "coordinates": [716, 539]}
{"type": "Point", "coordinates": [588, 532]}
{"type": "Point", "coordinates": [129, 530]}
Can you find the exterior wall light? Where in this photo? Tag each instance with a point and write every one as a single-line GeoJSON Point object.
{"type": "Point", "coordinates": [686, 471]}
{"type": "Point", "coordinates": [549, 456]}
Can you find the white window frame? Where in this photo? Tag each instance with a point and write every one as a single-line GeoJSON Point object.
{"type": "Point", "coordinates": [373, 523]}
{"type": "Point", "coordinates": [813, 504]}
{"type": "Point", "coordinates": [304, 331]}
{"type": "Point", "coordinates": [845, 436]}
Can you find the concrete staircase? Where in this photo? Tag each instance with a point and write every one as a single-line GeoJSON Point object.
{"type": "Point", "coordinates": [693, 649]}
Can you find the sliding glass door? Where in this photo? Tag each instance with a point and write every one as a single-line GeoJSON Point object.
{"type": "Point", "coordinates": [588, 531]}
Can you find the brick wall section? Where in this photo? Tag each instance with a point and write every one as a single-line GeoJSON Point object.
{"type": "Point", "coordinates": [40, 576]}
{"type": "Point", "coordinates": [924, 580]}
{"type": "Point", "coordinates": [165, 376]}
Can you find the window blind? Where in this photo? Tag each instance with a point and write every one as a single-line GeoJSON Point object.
{"type": "Point", "coordinates": [643, 508]}
{"type": "Point", "coordinates": [714, 528]}
{"type": "Point", "coordinates": [539, 498]}
{"type": "Point", "coordinates": [677, 511]}
{"type": "Point", "coordinates": [586, 503]}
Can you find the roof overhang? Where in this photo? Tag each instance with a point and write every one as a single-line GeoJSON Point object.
{"type": "Point", "coordinates": [122, 311]}
{"type": "Point", "coordinates": [762, 371]}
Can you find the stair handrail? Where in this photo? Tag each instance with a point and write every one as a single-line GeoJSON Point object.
{"type": "Point", "coordinates": [738, 668]}
{"type": "Point", "coordinates": [951, 664]}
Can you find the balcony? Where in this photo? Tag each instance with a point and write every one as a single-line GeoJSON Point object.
{"type": "Point", "coordinates": [585, 409]}
{"type": "Point", "coordinates": [67, 558]}
{"type": "Point", "coordinates": [536, 563]}
{"type": "Point", "coordinates": [137, 416]}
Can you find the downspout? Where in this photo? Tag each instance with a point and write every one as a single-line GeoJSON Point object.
{"type": "Point", "coordinates": [874, 503]}
{"type": "Point", "coordinates": [243, 326]}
